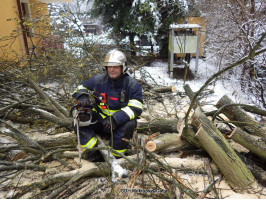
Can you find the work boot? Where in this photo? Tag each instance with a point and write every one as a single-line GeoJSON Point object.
{"type": "Point", "coordinates": [92, 156]}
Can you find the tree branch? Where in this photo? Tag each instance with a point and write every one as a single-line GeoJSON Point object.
{"type": "Point", "coordinates": [252, 54]}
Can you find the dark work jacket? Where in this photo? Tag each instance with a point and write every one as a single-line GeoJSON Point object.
{"type": "Point", "coordinates": [122, 112]}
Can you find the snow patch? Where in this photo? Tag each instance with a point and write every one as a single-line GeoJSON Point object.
{"type": "Point", "coordinates": [117, 171]}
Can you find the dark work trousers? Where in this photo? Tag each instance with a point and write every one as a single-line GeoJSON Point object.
{"type": "Point", "coordinates": [125, 130]}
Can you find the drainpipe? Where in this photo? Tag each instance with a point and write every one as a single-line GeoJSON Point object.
{"type": "Point", "coordinates": [22, 27]}
{"type": "Point", "coordinates": [20, 42]}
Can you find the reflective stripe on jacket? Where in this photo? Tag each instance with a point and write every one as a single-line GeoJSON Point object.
{"type": "Point", "coordinates": [129, 109]}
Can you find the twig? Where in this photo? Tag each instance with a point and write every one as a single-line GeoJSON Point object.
{"type": "Point", "coordinates": [207, 189]}
{"type": "Point", "coordinates": [17, 166]}
{"type": "Point", "coordinates": [12, 105]}
{"type": "Point", "coordinates": [88, 193]}
{"type": "Point", "coordinates": [210, 175]}
{"type": "Point", "coordinates": [17, 183]}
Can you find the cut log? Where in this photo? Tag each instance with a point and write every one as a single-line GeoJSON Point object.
{"type": "Point", "coordinates": [253, 143]}
{"type": "Point", "coordinates": [162, 126]}
{"type": "Point", "coordinates": [165, 89]}
{"type": "Point", "coordinates": [240, 118]}
{"type": "Point", "coordinates": [167, 143]}
{"type": "Point", "coordinates": [235, 171]}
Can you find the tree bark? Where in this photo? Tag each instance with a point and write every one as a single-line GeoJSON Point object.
{"type": "Point", "coordinates": [240, 118]}
{"type": "Point", "coordinates": [253, 143]}
{"type": "Point", "coordinates": [189, 136]}
{"type": "Point", "coordinates": [235, 171]}
{"type": "Point", "coordinates": [65, 122]}
{"type": "Point", "coordinates": [255, 110]}
{"type": "Point", "coordinates": [162, 126]}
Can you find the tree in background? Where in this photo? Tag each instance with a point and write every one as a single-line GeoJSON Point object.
{"type": "Point", "coordinates": [149, 18]}
{"type": "Point", "coordinates": [233, 28]}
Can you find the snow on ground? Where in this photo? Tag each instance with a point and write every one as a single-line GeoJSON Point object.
{"type": "Point", "coordinates": [157, 74]}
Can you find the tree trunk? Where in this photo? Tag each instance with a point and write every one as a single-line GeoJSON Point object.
{"type": "Point", "coordinates": [252, 143]}
{"type": "Point", "coordinates": [240, 118]}
{"type": "Point", "coordinates": [228, 162]}
{"type": "Point", "coordinates": [162, 126]}
{"type": "Point", "coordinates": [167, 143]}
{"type": "Point", "coordinates": [132, 44]}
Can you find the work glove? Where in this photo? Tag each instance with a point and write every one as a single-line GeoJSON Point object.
{"type": "Point", "coordinates": [108, 123]}
{"type": "Point", "coordinates": [83, 101]}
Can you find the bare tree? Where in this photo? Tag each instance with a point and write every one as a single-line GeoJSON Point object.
{"type": "Point", "coordinates": [233, 27]}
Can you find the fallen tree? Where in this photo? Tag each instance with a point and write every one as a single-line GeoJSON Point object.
{"type": "Point", "coordinates": [211, 140]}
{"type": "Point", "coordinates": [228, 162]}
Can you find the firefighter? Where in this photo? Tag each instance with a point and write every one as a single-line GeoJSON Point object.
{"type": "Point", "coordinates": [118, 103]}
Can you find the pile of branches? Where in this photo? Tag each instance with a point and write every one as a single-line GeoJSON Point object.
{"type": "Point", "coordinates": [33, 103]}
{"type": "Point", "coordinates": [148, 155]}
{"type": "Point", "coordinates": [25, 100]}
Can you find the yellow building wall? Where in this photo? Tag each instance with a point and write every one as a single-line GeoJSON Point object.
{"type": "Point", "coordinates": [12, 46]}
{"type": "Point", "coordinates": [9, 42]}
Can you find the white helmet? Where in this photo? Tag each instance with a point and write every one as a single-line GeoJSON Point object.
{"type": "Point", "coordinates": [115, 58]}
